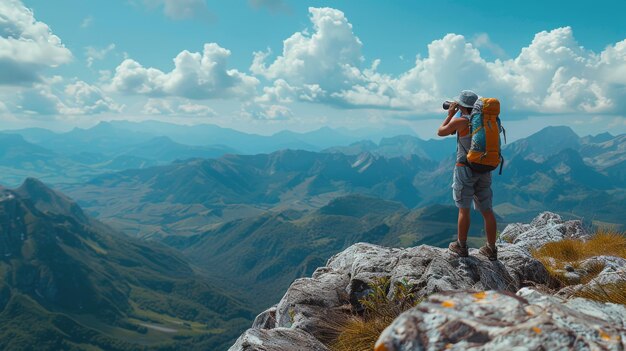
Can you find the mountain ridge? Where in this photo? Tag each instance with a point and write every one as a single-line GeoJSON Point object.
{"type": "Point", "coordinates": [82, 283]}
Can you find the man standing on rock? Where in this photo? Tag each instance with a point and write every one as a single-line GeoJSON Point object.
{"type": "Point", "coordinates": [468, 185]}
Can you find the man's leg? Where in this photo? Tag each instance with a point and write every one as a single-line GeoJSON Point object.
{"type": "Point", "coordinates": [463, 225]}
{"type": "Point", "coordinates": [463, 192]}
{"type": "Point", "coordinates": [490, 227]}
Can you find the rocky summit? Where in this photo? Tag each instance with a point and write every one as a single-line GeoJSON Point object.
{"type": "Point", "coordinates": [469, 303]}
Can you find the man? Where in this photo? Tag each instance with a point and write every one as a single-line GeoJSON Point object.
{"type": "Point", "coordinates": [468, 185]}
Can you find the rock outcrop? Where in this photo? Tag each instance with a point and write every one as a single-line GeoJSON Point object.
{"type": "Point", "coordinates": [492, 320]}
{"type": "Point", "coordinates": [311, 304]}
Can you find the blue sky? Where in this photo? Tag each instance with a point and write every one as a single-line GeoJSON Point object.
{"type": "Point", "coordinates": [267, 65]}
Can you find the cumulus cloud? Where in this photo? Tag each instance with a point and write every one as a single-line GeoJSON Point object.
{"type": "Point", "coordinates": [326, 58]}
{"type": "Point", "coordinates": [40, 100]}
{"type": "Point", "coordinates": [195, 76]}
{"type": "Point", "coordinates": [26, 45]}
{"type": "Point", "coordinates": [182, 9]}
{"type": "Point", "coordinates": [269, 112]}
{"type": "Point", "coordinates": [77, 98]}
{"type": "Point", "coordinates": [168, 107]}
{"type": "Point", "coordinates": [94, 53]}
{"type": "Point", "coordinates": [89, 99]}
{"type": "Point", "coordinates": [553, 74]}
{"type": "Point", "coordinates": [482, 40]}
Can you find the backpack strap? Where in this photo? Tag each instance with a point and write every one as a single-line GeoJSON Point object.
{"type": "Point", "coordinates": [458, 135]}
{"type": "Point", "coordinates": [501, 164]}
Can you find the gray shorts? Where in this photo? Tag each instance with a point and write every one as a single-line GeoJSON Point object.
{"type": "Point", "coordinates": [468, 185]}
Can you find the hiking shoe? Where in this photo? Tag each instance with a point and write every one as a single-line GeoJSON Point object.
{"type": "Point", "coordinates": [455, 248]}
{"type": "Point", "coordinates": [491, 253]}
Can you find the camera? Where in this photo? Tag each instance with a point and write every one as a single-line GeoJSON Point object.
{"type": "Point", "coordinates": [446, 104]}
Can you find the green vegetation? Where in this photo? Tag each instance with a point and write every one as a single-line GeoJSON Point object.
{"type": "Point", "coordinates": [360, 332]}
{"type": "Point", "coordinates": [68, 282]}
{"type": "Point", "coordinates": [273, 249]}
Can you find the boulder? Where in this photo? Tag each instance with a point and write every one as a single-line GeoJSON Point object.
{"type": "Point", "coordinates": [266, 319]}
{"type": "Point", "coordinates": [546, 227]}
{"type": "Point", "coordinates": [277, 339]}
{"type": "Point", "coordinates": [490, 320]}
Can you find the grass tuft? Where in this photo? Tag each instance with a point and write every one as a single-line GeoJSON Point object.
{"type": "Point", "coordinates": [613, 292]}
{"type": "Point", "coordinates": [359, 333]}
{"type": "Point", "coordinates": [556, 256]}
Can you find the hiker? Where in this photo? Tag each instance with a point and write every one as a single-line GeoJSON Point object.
{"type": "Point", "coordinates": [468, 184]}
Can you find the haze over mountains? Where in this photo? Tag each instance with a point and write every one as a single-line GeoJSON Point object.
{"type": "Point", "coordinates": [580, 177]}
{"type": "Point", "coordinates": [80, 154]}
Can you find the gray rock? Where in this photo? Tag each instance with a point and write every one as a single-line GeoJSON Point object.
{"type": "Point", "coordinates": [311, 304]}
{"type": "Point", "coordinates": [572, 277]}
{"type": "Point", "coordinates": [503, 321]}
{"type": "Point", "coordinates": [312, 307]}
{"type": "Point", "coordinates": [546, 227]}
{"type": "Point", "coordinates": [277, 339]}
{"type": "Point", "coordinates": [266, 319]}
{"type": "Point", "coordinates": [614, 269]}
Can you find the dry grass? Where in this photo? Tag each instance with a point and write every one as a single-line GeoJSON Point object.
{"type": "Point", "coordinates": [556, 256]}
{"type": "Point", "coordinates": [359, 333]}
{"type": "Point", "coordinates": [571, 252]}
{"type": "Point", "coordinates": [614, 292]}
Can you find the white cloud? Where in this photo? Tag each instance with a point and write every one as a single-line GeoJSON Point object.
{"type": "Point", "coordinates": [39, 100]}
{"type": "Point", "coordinates": [326, 58]}
{"type": "Point", "coordinates": [195, 76]}
{"type": "Point", "coordinates": [94, 54]}
{"type": "Point", "coordinates": [160, 106]}
{"type": "Point", "coordinates": [196, 109]}
{"type": "Point", "coordinates": [89, 99]}
{"type": "Point", "coordinates": [26, 45]}
{"type": "Point", "coordinates": [157, 107]}
{"type": "Point", "coordinates": [77, 98]}
{"type": "Point", "coordinates": [553, 74]}
{"type": "Point", "coordinates": [182, 9]}
{"type": "Point", "coordinates": [87, 22]}
{"type": "Point", "coordinates": [483, 40]}
{"type": "Point", "coordinates": [270, 112]}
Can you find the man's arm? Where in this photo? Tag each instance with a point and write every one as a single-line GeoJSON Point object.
{"type": "Point", "coordinates": [450, 125]}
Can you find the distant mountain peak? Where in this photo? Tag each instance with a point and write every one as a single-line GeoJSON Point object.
{"type": "Point", "coordinates": [46, 199]}
{"type": "Point", "coordinates": [600, 138]}
{"type": "Point", "coordinates": [32, 186]}
{"type": "Point", "coordinates": [556, 131]}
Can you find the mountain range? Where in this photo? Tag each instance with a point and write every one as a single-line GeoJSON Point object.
{"type": "Point", "coordinates": [80, 154]}
{"type": "Point", "coordinates": [69, 282]}
{"type": "Point", "coordinates": [579, 177]}
{"type": "Point", "coordinates": [266, 253]}
{"type": "Point", "coordinates": [229, 231]}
